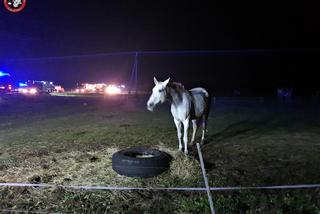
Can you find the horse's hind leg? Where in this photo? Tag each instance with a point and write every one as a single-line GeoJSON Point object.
{"type": "Point", "coordinates": [178, 125]}
{"type": "Point", "coordinates": [195, 126]}
{"type": "Point", "coordinates": [204, 128]}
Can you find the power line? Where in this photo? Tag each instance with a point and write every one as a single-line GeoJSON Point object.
{"type": "Point", "coordinates": [171, 52]}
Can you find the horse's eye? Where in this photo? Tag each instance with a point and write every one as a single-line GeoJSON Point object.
{"type": "Point", "coordinates": [160, 90]}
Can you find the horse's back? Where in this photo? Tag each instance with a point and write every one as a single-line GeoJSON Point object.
{"type": "Point", "coordinates": [200, 101]}
{"type": "Point", "coordinates": [199, 91]}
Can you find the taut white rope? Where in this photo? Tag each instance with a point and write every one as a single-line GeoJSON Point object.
{"type": "Point", "coordinates": [205, 179]}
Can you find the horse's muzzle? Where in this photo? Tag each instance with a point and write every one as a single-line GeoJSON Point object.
{"type": "Point", "coordinates": [150, 106]}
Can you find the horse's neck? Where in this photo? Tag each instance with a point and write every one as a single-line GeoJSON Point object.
{"type": "Point", "coordinates": [174, 95]}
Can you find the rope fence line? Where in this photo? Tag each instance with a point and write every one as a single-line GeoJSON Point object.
{"type": "Point", "coordinates": [79, 187]}
{"type": "Point", "coordinates": [297, 186]}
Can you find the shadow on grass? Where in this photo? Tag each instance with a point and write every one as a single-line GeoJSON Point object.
{"type": "Point", "coordinates": [241, 128]}
{"type": "Point", "coordinates": [237, 129]}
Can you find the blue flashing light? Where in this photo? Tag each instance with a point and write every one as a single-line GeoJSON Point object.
{"type": "Point", "coordinates": [2, 74]}
{"type": "Point", "coordinates": [21, 84]}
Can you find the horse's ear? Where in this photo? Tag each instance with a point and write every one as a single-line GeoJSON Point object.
{"type": "Point", "coordinates": [167, 81]}
{"type": "Point", "coordinates": [155, 81]}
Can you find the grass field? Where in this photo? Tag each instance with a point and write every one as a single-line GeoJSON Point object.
{"type": "Point", "coordinates": [70, 140]}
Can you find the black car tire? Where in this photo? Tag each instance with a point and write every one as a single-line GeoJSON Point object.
{"type": "Point", "coordinates": [140, 162]}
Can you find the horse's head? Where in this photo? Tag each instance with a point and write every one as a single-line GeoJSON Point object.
{"type": "Point", "coordinates": [158, 95]}
{"type": "Point", "coordinates": [16, 3]}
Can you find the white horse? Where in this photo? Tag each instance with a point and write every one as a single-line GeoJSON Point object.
{"type": "Point", "coordinates": [186, 105]}
{"type": "Point", "coordinates": [16, 3]}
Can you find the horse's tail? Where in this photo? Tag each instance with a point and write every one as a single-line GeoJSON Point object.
{"type": "Point", "coordinates": [208, 108]}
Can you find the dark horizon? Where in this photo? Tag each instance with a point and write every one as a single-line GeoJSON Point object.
{"type": "Point", "coordinates": [251, 72]}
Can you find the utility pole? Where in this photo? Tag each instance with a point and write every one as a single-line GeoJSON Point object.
{"type": "Point", "coordinates": [134, 74]}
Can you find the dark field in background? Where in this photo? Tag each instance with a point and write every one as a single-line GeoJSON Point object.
{"type": "Point", "coordinates": [252, 73]}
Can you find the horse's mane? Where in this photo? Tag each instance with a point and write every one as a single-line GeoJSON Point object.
{"type": "Point", "coordinates": [176, 85]}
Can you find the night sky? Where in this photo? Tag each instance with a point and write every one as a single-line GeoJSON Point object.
{"type": "Point", "coordinates": [64, 28]}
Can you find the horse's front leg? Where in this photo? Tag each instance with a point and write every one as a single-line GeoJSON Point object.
{"type": "Point", "coordinates": [178, 125]}
{"type": "Point", "coordinates": [185, 136]}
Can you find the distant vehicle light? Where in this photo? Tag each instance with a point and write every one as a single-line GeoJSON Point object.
{"type": "Point", "coordinates": [28, 91]}
{"type": "Point", "coordinates": [33, 91]}
{"type": "Point", "coordinates": [59, 89]}
{"type": "Point", "coordinates": [112, 89]}
{"type": "Point", "coordinates": [25, 91]}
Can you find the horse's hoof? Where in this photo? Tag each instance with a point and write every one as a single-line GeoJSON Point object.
{"type": "Point", "coordinates": [185, 152]}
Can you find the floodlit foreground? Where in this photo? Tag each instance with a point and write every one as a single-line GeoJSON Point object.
{"type": "Point", "coordinates": [70, 141]}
